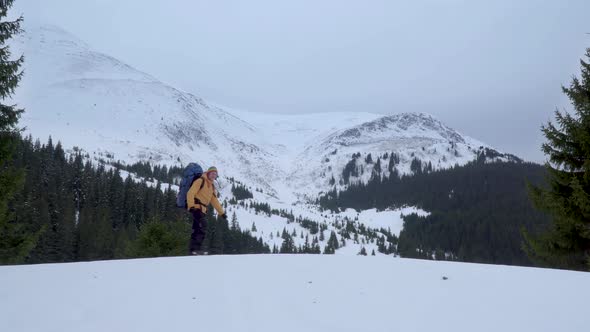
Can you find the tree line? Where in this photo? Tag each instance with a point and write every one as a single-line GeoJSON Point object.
{"type": "Point", "coordinates": [477, 211]}
{"type": "Point", "coordinates": [76, 211]}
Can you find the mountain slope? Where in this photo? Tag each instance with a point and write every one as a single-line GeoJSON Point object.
{"type": "Point", "coordinates": [114, 112]}
{"type": "Point", "coordinates": [291, 293]}
{"type": "Point", "coordinates": [93, 101]}
{"type": "Point", "coordinates": [409, 136]}
{"type": "Point", "coordinates": [97, 103]}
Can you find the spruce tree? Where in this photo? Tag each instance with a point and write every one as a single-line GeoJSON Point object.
{"type": "Point", "coordinates": [363, 252]}
{"type": "Point", "coordinates": [157, 238]}
{"type": "Point", "coordinates": [288, 245]}
{"type": "Point", "coordinates": [234, 223]}
{"type": "Point", "coordinates": [15, 241]}
{"type": "Point", "coordinates": [567, 199]}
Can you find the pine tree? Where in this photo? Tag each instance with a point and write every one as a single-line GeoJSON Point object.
{"type": "Point", "coordinates": [377, 168]}
{"type": "Point", "coordinates": [332, 244]}
{"type": "Point", "coordinates": [288, 245]}
{"type": "Point", "coordinates": [66, 229]}
{"type": "Point", "coordinates": [234, 222]}
{"type": "Point", "coordinates": [157, 238]}
{"type": "Point", "coordinates": [567, 200]}
{"type": "Point", "coordinates": [332, 180]}
{"type": "Point", "coordinates": [122, 242]}
{"type": "Point", "coordinates": [15, 241]}
{"type": "Point", "coordinates": [9, 68]}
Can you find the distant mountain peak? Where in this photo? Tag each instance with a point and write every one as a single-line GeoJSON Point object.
{"type": "Point", "coordinates": [91, 100]}
{"type": "Point", "coordinates": [54, 55]}
{"type": "Point", "coordinates": [403, 125]}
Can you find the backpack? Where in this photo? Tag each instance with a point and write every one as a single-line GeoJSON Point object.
{"type": "Point", "coordinates": [192, 172]}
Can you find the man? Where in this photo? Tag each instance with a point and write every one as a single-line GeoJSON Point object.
{"type": "Point", "coordinates": [199, 196]}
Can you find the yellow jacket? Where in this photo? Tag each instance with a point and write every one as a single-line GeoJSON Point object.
{"type": "Point", "coordinates": [200, 197]}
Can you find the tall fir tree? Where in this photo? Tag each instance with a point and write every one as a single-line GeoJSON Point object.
{"type": "Point", "coordinates": [567, 199]}
{"type": "Point", "coordinates": [15, 241]}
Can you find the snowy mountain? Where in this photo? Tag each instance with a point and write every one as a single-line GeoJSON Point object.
{"type": "Point", "coordinates": [409, 135]}
{"type": "Point", "coordinates": [93, 101]}
{"type": "Point", "coordinates": [101, 105]}
{"type": "Point", "coordinates": [291, 293]}
{"type": "Point", "coordinates": [114, 112]}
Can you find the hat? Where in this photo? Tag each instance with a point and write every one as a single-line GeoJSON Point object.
{"type": "Point", "coordinates": [212, 169]}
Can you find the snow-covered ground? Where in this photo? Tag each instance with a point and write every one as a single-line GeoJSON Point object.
{"type": "Point", "coordinates": [391, 220]}
{"type": "Point", "coordinates": [267, 226]}
{"type": "Point", "coordinates": [290, 293]}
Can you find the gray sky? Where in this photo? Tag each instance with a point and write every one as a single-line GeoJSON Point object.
{"type": "Point", "coordinates": [489, 69]}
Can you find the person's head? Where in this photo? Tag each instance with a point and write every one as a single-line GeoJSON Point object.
{"type": "Point", "coordinates": [212, 173]}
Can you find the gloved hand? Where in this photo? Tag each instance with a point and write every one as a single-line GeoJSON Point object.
{"type": "Point", "coordinates": [224, 216]}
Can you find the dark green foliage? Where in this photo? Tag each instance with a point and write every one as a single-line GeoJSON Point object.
{"type": "Point", "coordinates": [312, 226]}
{"type": "Point", "coordinates": [288, 245]}
{"type": "Point", "coordinates": [261, 208]}
{"type": "Point", "coordinates": [416, 166]}
{"type": "Point", "coordinates": [377, 168]}
{"type": "Point", "coordinates": [240, 192]}
{"type": "Point", "coordinates": [485, 154]}
{"type": "Point", "coordinates": [386, 242]}
{"type": "Point", "coordinates": [332, 244]}
{"type": "Point", "coordinates": [80, 212]}
{"type": "Point", "coordinates": [16, 241]}
{"type": "Point", "coordinates": [478, 211]}
{"type": "Point", "coordinates": [350, 169]}
{"type": "Point", "coordinates": [153, 172]}
{"type": "Point", "coordinates": [567, 198]}
{"type": "Point", "coordinates": [224, 238]}
{"type": "Point", "coordinates": [86, 213]}
{"type": "Point", "coordinates": [393, 161]}
{"type": "Point", "coordinates": [157, 239]}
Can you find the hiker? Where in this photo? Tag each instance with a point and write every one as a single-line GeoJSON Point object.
{"type": "Point", "coordinates": [201, 193]}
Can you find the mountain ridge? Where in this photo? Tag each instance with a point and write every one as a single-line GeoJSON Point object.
{"type": "Point", "coordinates": [114, 113]}
{"type": "Point", "coordinates": [132, 116]}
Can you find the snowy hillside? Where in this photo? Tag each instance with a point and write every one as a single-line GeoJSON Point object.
{"type": "Point", "coordinates": [114, 112]}
{"type": "Point", "coordinates": [90, 100]}
{"type": "Point", "coordinates": [93, 101]}
{"type": "Point", "coordinates": [290, 293]}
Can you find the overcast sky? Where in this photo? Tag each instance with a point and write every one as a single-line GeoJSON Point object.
{"type": "Point", "coordinates": [489, 69]}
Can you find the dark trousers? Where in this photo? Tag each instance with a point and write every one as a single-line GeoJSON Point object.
{"type": "Point", "coordinates": [199, 230]}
